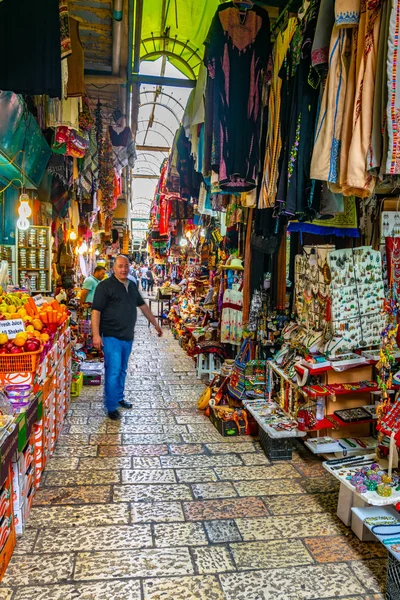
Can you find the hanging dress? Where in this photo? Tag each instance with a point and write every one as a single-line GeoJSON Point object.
{"type": "Point", "coordinates": [326, 153]}
{"type": "Point", "coordinates": [274, 141]}
{"type": "Point", "coordinates": [237, 49]}
{"type": "Point", "coordinates": [355, 178]}
{"type": "Point", "coordinates": [232, 317]}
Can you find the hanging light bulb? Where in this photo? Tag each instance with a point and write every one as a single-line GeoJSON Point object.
{"type": "Point", "coordinates": [84, 247]}
{"type": "Point", "coordinates": [183, 242]}
{"type": "Point", "coordinates": [97, 252]}
{"type": "Point", "coordinates": [202, 232]}
{"type": "Point", "coordinates": [72, 234]}
{"type": "Point", "coordinates": [24, 211]}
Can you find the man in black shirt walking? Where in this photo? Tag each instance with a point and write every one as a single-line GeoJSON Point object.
{"type": "Point", "coordinates": [114, 313]}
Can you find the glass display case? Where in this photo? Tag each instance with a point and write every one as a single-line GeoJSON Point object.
{"type": "Point", "coordinates": [34, 258]}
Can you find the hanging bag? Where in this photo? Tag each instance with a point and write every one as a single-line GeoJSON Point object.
{"type": "Point", "coordinates": [237, 382]}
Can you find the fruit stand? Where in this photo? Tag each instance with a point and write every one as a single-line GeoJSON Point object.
{"type": "Point", "coordinates": [35, 376]}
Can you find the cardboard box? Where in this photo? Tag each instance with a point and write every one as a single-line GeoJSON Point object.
{"type": "Point", "coordinates": [345, 503]}
{"type": "Point", "coordinates": [7, 551]}
{"type": "Point", "coordinates": [5, 529]}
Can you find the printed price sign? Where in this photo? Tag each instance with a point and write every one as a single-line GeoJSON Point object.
{"type": "Point", "coordinates": [11, 327]}
{"type": "Point", "coordinates": [38, 300]}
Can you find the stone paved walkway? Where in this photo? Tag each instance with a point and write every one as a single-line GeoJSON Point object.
{"type": "Point", "coordinates": [161, 507]}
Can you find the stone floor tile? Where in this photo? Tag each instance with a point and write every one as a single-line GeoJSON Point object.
{"type": "Point", "coordinates": [73, 440]}
{"type": "Point", "coordinates": [71, 516]}
{"type": "Point", "coordinates": [134, 450]}
{"type": "Point", "coordinates": [184, 420]}
{"type": "Point", "coordinates": [75, 451]}
{"type": "Point", "coordinates": [280, 471]}
{"type": "Point", "coordinates": [212, 559]}
{"type": "Point", "coordinates": [151, 438]}
{"type": "Point", "coordinates": [371, 573]}
{"type": "Point", "coordinates": [196, 475]}
{"type": "Point", "coordinates": [65, 478]}
{"type": "Point", "coordinates": [85, 494]}
{"type": "Point", "coordinates": [278, 527]}
{"type": "Point", "coordinates": [133, 563]}
{"type": "Point", "coordinates": [183, 588]}
{"type": "Point", "coordinates": [37, 569]}
{"type": "Point", "coordinates": [146, 462]}
{"type": "Point", "coordinates": [151, 492]}
{"type": "Point", "coordinates": [273, 487]}
{"type": "Point", "coordinates": [224, 509]}
{"type": "Point", "coordinates": [26, 543]}
{"type": "Point", "coordinates": [184, 449]}
{"type": "Point", "coordinates": [320, 485]}
{"type": "Point", "coordinates": [195, 462]}
{"type": "Point", "coordinates": [6, 593]}
{"type": "Point", "coordinates": [134, 427]}
{"type": "Point", "coordinates": [104, 463]}
{"type": "Point", "coordinates": [301, 583]}
{"type": "Point", "coordinates": [82, 429]}
{"type": "Point", "coordinates": [106, 439]}
{"type": "Point", "coordinates": [295, 505]}
{"type": "Point", "coordinates": [157, 512]}
{"type": "Point", "coordinates": [198, 438]}
{"type": "Point", "coordinates": [339, 548]}
{"type": "Point", "coordinates": [313, 469]}
{"type": "Point", "coordinates": [77, 420]}
{"type": "Point", "coordinates": [169, 535]}
{"type": "Point", "coordinates": [221, 489]}
{"type": "Point", "coordinates": [220, 448]}
{"type": "Point", "coordinates": [222, 531]}
{"type": "Point", "coordinates": [101, 590]}
{"type": "Point", "coordinates": [270, 555]}
{"type": "Point", "coordinates": [148, 476]}
{"type": "Point", "coordinates": [254, 460]}
{"type": "Point", "coordinates": [89, 538]}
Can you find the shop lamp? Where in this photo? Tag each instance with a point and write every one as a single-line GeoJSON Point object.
{"type": "Point", "coordinates": [24, 211]}
{"type": "Point", "coordinates": [83, 248]}
{"type": "Point", "coordinates": [202, 232]}
{"type": "Point", "coordinates": [72, 234]}
{"type": "Point", "coordinates": [97, 252]}
{"type": "Point", "coordinates": [183, 242]}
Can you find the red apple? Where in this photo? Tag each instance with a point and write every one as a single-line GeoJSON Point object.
{"type": "Point", "coordinates": [16, 350]}
{"type": "Point", "coordinates": [3, 350]}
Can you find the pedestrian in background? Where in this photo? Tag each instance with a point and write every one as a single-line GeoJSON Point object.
{"type": "Point", "coordinates": [90, 284]}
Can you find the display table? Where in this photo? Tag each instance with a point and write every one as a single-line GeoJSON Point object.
{"type": "Point", "coordinates": [277, 428]}
{"type": "Point", "coordinates": [350, 498]}
{"type": "Point", "coordinates": [393, 571]}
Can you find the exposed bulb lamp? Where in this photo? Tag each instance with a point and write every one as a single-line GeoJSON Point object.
{"type": "Point", "coordinates": [24, 211]}
{"type": "Point", "coordinates": [72, 234]}
{"type": "Point", "coordinates": [183, 242]}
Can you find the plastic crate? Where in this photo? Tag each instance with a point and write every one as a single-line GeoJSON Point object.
{"type": "Point", "coordinates": [26, 362]}
{"type": "Point", "coordinates": [276, 449]}
{"type": "Point", "coordinates": [76, 385]}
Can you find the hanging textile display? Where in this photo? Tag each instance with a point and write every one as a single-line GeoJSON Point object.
{"type": "Point", "coordinates": [237, 49]}
{"type": "Point", "coordinates": [342, 224]}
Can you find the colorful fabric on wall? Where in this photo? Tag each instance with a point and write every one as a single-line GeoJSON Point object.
{"type": "Point", "coordinates": [65, 38]}
{"type": "Point", "coordinates": [274, 139]}
{"type": "Point", "coordinates": [237, 49]}
{"type": "Point", "coordinates": [343, 224]}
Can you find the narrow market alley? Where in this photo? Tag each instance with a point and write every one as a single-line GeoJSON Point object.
{"type": "Point", "coordinates": [160, 506]}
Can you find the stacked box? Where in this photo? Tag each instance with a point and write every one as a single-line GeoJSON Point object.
{"type": "Point", "coordinates": [7, 528]}
{"type": "Point", "coordinates": [23, 478]}
{"type": "Point", "coordinates": [38, 444]}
